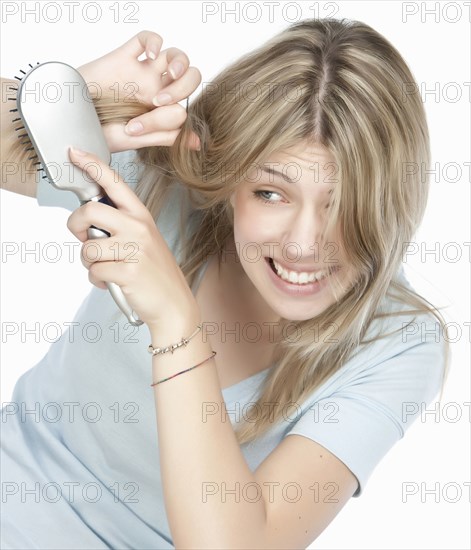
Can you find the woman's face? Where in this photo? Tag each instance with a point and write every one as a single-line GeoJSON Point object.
{"type": "Point", "coordinates": [287, 227]}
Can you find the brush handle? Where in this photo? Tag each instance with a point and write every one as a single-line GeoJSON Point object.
{"type": "Point", "coordinates": [115, 291]}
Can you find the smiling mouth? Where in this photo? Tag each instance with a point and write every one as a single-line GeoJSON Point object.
{"type": "Point", "coordinates": [330, 270]}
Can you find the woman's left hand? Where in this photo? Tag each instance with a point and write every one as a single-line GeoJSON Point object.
{"type": "Point", "coordinates": [135, 256]}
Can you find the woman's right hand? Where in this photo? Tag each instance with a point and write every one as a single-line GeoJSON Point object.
{"type": "Point", "coordinates": [120, 75]}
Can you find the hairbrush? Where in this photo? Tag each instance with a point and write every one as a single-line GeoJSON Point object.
{"type": "Point", "coordinates": [56, 112]}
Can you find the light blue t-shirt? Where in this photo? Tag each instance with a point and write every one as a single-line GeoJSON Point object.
{"type": "Point", "coordinates": [80, 457]}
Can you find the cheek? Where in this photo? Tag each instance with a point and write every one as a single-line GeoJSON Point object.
{"type": "Point", "coordinates": [252, 222]}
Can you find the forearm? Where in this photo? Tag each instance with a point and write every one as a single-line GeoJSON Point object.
{"type": "Point", "coordinates": [196, 450]}
{"type": "Point", "coordinates": [93, 83]}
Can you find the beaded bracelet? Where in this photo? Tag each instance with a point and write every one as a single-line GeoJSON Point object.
{"type": "Point", "coordinates": [186, 370]}
{"type": "Point", "coordinates": [172, 347]}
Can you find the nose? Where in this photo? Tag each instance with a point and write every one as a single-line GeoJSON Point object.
{"type": "Point", "coordinates": [305, 234]}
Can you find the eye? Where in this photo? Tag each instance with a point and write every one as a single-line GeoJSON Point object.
{"type": "Point", "coordinates": [259, 195]}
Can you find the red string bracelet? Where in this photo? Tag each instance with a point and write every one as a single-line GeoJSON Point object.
{"type": "Point", "coordinates": [186, 370]}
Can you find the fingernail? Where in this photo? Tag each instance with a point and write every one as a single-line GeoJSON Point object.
{"type": "Point", "coordinates": [162, 99]}
{"type": "Point", "coordinates": [134, 128]}
{"type": "Point", "coordinates": [78, 152]}
{"type": "Point", "coordinates": [151, 55]}
{"type": "Point", "coordinates": [176, 69]}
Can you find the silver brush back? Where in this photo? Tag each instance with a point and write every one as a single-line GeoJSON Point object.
{"type": "Point", "coordinates": [57, 112]}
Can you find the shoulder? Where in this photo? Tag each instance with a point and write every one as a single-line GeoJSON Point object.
{"type": "Point", "coordinates": [369, 404]}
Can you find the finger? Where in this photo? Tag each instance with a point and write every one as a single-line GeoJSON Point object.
{"type": "Point", "coordinates": [114, 186]}
{"type": "Point", "coordinates": [177, 61]}
{"type": "Point", "coordinates": [108, 250]}
{"type": "Point", "coordinates": [101, 216]}
{"type": "Point", "coordinates": [95, 250]}
{"type": "Point", "coordinates": [170, 65]}
{"type": "Point", "coordinates": [144, 41]}
{"type": "Point", "coordinates": [179, 89]}
{"type": "Point", "coordinates": [99, 284]}
{"type": "Point", "coordinates": [193, 141]}
{"type": "Point", "coordinates": [119, 140]}
{"type": "Point", "coordinates": [111, 272]}
{"type": "Point", "coordinates": [95, 281]}
{"type": "Point", "coordinates": [169, 117]}
{"type": "Point", "coordinates": [166, 67]}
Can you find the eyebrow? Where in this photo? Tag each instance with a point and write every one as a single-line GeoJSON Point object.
{"type": "Point", "coordinates": [274, 172]}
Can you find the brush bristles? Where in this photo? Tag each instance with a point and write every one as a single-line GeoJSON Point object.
{"type": "Point", "coordinates": [27, 146]}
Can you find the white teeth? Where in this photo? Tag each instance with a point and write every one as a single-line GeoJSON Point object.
{"type": "Point", "coordinates": [299, 278]}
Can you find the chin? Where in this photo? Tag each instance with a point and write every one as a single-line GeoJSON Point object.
{"type": "Point", "coordinates": [292, 311]}
{"type": "Point", "coordinates": [298, 316]}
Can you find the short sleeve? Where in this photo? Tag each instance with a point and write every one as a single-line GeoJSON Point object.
{"type": "Point", "coordinates": [362, 419]}
{"type": "Point", "coordinates": [125, 163]}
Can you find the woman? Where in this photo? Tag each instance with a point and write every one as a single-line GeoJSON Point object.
{"type": "Point", "coordinates": [302, 167]}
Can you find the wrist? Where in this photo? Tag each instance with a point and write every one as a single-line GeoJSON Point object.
{"type": "Point", "coordinates": [85, 72]}
{"type": "Point", "coordinates": [174, 327]}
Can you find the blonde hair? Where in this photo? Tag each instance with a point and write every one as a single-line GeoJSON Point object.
{"type": "Point", "coordinates": [348, 83]}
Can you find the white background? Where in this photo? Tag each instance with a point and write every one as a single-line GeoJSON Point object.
{"type": "Point", "coordinates": [436, 449]}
